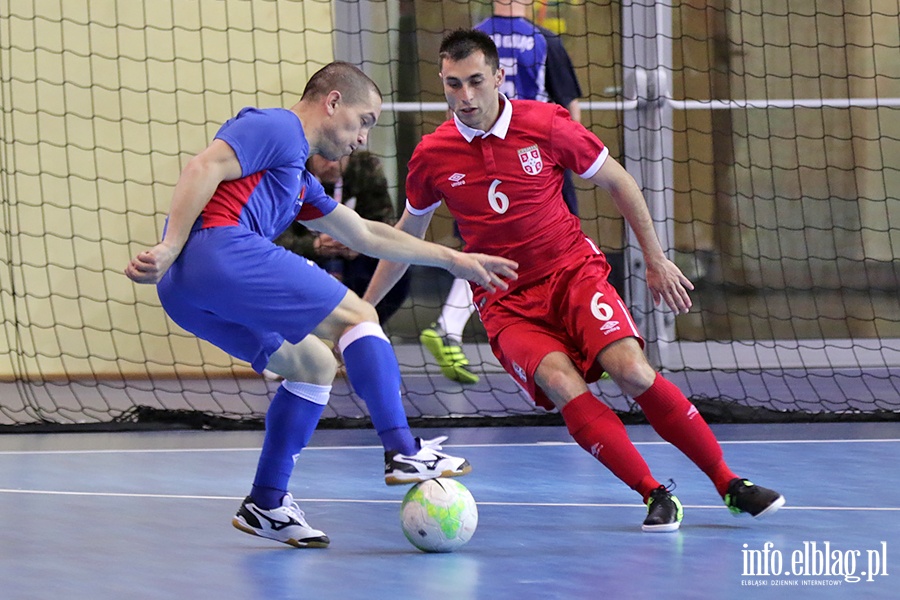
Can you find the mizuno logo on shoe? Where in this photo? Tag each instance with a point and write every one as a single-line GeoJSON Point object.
{"type": "Point", "coordinates": [276, 524]}
{"type": "Point", "coordinates": [283, 524]}
{"type": "Point", "coordinates": [429, 464]}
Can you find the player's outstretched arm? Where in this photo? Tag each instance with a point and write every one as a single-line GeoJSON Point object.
{"type": "Point", "coordinates": [666, 281]}
{"type": "Point", "coordinates": [196, 185]}
{"type": "Point", "coordinates": [388, 273]}
{"type": "Point", "coordinates": [392, 243]}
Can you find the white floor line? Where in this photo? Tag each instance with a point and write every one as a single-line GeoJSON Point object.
{"type": "Point", "coordinates": [480, 503]}
{"type": "Point", "coordinates": [493, 445]}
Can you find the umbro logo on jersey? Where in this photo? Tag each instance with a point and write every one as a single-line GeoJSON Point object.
{"type": "Point", "coordinates": [610, 327]}
{"type": "Point", "coordinates": [530, 159]}
{"type": "Point", "coordinates": [458, 179]}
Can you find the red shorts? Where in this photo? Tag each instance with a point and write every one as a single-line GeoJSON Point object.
{"type": "Point", "coordinates": [575, 311]}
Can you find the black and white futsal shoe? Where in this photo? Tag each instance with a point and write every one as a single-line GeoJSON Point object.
{"type": "Point", "coordinates": [428, 463]}
{"type": "Point", "coordinates": [286, 524]}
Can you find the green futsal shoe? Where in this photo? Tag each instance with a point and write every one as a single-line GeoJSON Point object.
{"type": "Point", "coordinates": [449, 356]}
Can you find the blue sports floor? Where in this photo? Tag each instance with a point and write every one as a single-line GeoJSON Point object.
{"type": "Point", "coordinates": [147, 515]}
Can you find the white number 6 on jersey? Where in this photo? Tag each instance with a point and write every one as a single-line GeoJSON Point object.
{"type": "Point", "coordinates": [601, 310]}
{"type": "Point", "coordinates": [498, 200]}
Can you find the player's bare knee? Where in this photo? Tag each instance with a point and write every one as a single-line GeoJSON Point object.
{"type": "Point", "coordinates": [633, 374]}
{"type": "Point", "coordinates": [557, 383]}
{"type": "Point", "coordinates": [310, 361]}
{"type": "Point", "coordinates": [559, 378]}
{"type": "Point", "coordinates": [627, 365]}
{"type": "Point", "coordinates": [348, 314]}
{"type": "Point", "coordinates": [318, 368]}
{"type": "Point", "coordinates": [366, 312]}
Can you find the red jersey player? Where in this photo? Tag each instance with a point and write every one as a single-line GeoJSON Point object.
{"type": "Point", "coordinates": [499, 167]}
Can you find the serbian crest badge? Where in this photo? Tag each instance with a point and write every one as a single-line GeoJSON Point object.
{"type": "Point", "coordinates": [530, 159]}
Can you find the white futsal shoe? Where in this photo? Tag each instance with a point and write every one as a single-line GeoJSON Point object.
{"type": "Point", "coordinates": [428, 463]}
{"type": "Point", "coordinates": [286, 524]}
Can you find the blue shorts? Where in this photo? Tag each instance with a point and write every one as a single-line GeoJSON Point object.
{"type": "Point", "coordinates": [246, 295]}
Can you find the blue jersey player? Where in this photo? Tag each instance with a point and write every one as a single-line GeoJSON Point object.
{"type": "Point", "coordinates": [220, 276]}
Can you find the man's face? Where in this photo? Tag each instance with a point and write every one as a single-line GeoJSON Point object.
{"type": "Point", "coordinates": [472, 87]}
{"type": "Point", "coordinates": [349, 125]}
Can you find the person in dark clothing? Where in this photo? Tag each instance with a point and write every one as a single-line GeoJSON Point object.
{"type": "Point", "coordinates": [358, 182]}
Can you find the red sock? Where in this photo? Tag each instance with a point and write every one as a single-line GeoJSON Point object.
{"type": "Point", "coordinates": [678, 422]}
{"type": "Point", "coordinates": [598, 430]}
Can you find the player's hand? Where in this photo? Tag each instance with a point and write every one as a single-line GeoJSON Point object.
{"type": "Point", "coordinates": [150, 265]}
{"type": "Point", "coordinates": [325, 245]}
{"type": "Point", "coordinates": [668, 284]}
{"type": "Point", "coordinates": [490, 272]}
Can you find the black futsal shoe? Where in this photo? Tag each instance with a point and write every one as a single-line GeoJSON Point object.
{"type": "Point", "coordinates": [664, 512]}
{"type": "Point", "coordinates": [745, 498]}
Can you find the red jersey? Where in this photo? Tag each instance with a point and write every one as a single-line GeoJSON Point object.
{"type": "Point", "coordinates": [504, 186]}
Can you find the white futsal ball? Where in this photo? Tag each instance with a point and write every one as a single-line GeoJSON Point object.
{"type": "Point", "coordinates": [438, 515]}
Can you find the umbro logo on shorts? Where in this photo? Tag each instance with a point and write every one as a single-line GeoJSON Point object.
{"type": "Point", "coordinates": [610, 327]}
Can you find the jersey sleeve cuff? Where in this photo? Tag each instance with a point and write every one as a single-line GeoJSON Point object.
{"type": "Point", "coordinates": [592, 170]}
{"type": "Point", "coordinates": [235, 147]}
{"type": "Point", "coordinates": [422, 211]}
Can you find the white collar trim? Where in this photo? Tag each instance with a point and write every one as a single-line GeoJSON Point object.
{"type": "Point", "coordinates": [500, 128]}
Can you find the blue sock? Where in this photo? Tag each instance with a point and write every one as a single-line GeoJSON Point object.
{"type": "Point", "coordinates": [375, 376]}
{"type": "Point", "coordinates": [290, 422]}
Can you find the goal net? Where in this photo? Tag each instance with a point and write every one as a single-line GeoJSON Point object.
{"type": "Point", "coordinates": [766, 137]}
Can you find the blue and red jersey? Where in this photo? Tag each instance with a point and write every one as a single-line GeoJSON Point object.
{"type": "Point", "coordinates": [275, 188]}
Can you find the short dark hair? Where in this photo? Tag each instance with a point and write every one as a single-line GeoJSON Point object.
{"type": "Point", "coordinates": [462, 43]}
{"type": "Point", "coordinates": [355, 86]}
